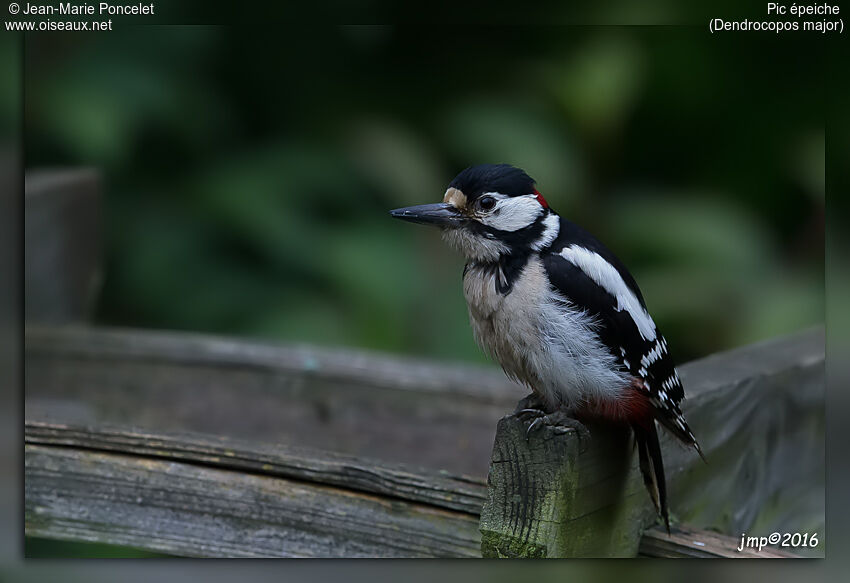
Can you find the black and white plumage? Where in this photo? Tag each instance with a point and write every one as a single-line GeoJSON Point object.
{"type": "Point", "coordinates": [559, 311]}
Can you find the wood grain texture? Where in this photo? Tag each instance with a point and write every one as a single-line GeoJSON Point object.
{"type": "Point", "coordinates": [439, 489]}
{"type": "Point", "coordinates": [403, 410]}
{"type": "Point", "coordinates": [684, 542]}
{"type": "Point", "coordinates": [71, 481]}
{"type": "Point", "coordinates": [547, 498]}
{"type": "Point", "coordinates": [758, 412]}
{"type": "Point", "coordinates": [198, 511]}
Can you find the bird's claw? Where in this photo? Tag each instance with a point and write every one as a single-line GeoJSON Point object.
{"type": "Point", "coordinates": [559, 421]}
{"type": "Point", "coordinates": [532, 416]}
{"type": "Point", "coordinates": [562, 423]}
{"type": "Point", "coordinates": [531, 402]}
{"type": "Point", "coordinates": [531, 426]}
{"type": "Point", "coordinates": [526, 414]}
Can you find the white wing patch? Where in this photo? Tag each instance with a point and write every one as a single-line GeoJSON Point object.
{"type": "Point", "coordinates": [607, 276]}
{"type": "Point", "coordinates": [512, 213]}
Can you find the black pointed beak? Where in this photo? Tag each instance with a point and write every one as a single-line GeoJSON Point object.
{"type": "Point", "coordinates": [440, 214]}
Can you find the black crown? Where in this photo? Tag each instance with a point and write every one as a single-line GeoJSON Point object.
{"type": "Point", "coordinates": [501, 178]}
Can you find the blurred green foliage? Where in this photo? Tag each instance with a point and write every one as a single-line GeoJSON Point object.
{"type": "Point", "coordinates": [248, 171]}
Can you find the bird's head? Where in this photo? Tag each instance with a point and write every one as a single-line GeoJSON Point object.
{"type": "Point", "coordinates": [488, 211]}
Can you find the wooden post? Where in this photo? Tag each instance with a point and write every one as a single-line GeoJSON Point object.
{"type": "Point", "coordinates": [62, 245]}
{"type": "Point", "coordinates": [135, 428]}
{"type": "Point", "coordinates": [547, 498]}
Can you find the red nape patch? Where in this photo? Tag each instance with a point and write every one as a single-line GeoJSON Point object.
{"type": "Point", "coordinates": [541, 200]}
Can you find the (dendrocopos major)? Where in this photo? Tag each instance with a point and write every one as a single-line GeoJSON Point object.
{"type": "Point", "coordinates": [560, 313]}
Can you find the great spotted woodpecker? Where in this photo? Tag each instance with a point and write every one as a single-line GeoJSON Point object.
{"type": "Point", "coordinates": [560, 313]}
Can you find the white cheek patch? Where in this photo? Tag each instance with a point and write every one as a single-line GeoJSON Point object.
{"type": "Point", "coordinates": [606, 276]}
{"type": "Point", "coordinates": [513, 213]}
{"type": "Point", "coordinates": [551, 228]}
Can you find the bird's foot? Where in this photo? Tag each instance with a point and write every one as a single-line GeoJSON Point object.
{"type": "Point", "coordinates": [531, 401]}
{"type": "Point", "coordinates": [559, 421]}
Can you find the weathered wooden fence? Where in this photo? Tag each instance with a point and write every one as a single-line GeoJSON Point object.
{"type": "Point", "coordinates": [204, 446]}
{"type": "Point", "coordinates": [201, 446]}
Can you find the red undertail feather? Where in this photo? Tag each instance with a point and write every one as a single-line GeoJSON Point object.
{"type": "Point", "coordinates": [633, 406]}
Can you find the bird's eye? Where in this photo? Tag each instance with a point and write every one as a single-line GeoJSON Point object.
{"type": "Point", "coordinates": [487, 202]}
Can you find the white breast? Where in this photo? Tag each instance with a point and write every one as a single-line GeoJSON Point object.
{"type": "Point", "coordinates": [539, 338]}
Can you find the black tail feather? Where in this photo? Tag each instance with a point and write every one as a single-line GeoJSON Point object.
{"type": "Point", "coordinates": [652, 468]}
{"type": "Point", "coordinates": [682, 432]}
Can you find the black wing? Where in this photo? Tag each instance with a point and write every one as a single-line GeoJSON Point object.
{"type": "Point", "coordinates": [646, 359]}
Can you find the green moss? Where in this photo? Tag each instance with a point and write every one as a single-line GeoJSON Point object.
{"type": "Point", "coordinates": [498, 546]}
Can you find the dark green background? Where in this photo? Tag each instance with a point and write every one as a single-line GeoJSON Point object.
{"type": "Point", "coordinates": [248, 170]}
